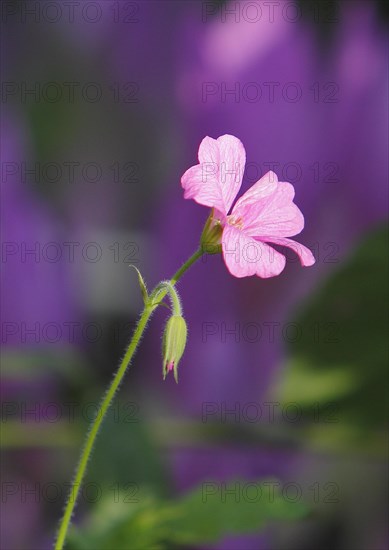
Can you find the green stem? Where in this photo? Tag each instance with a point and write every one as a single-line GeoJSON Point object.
{"type": "Point", "coordinates": [107, 400]}
{"type": "Point", "coordinates": [166, 287]}
{"type": "Point", "coordinates": [105, 404]}
{"type": "Point", "coordinates": [186, 266]}
{"type": "Point", "coordinates": [162, 288]}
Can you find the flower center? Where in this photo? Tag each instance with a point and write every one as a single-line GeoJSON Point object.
{"type": "Point", "coordinates": [235, 222]}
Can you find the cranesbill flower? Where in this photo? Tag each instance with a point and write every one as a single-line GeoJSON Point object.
{"type": "Point", "coordinates": [265, 214]}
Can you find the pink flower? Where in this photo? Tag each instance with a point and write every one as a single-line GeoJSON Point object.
{"type": "Point", "coordinates": [265, 214]}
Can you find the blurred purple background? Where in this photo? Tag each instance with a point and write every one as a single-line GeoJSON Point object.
{"type": "Point", "coordinates": [102, 112]}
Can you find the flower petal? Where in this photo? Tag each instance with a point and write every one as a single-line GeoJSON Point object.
{"type": "Point", "coordinates": [216, 181]}
{"type": "Point", "coordinates": [272, 214]}
{"type": "Point", "coordinates": [257, 195]}
{"type": "Point", "coordinates": [244, 256]}
{"type": "Point", "coordinates": [305, 255]}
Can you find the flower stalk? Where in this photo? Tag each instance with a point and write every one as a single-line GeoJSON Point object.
{"type": "Point", "coordinates": [151, 303]}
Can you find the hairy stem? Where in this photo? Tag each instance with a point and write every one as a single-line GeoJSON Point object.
{"type": "Point", "coordinates": [106, 402]}
{"type": "Point", "coordinates": [179, 273]}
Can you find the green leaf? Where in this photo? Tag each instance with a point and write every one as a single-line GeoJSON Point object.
{"type": "Point", "coordinates": [216, 510]}
{"type": "Point", "coordinates": [205, 515]}
{"type": "Point", "coordinates": [120, 525]}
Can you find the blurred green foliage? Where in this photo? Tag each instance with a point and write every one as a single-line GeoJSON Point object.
{"type": "Point", "coordinates": [202, 516]}
{"type": "Point", "coordinates": [338, 367]}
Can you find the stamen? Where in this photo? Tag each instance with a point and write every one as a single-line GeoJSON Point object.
{"type": "Point", "coordinates": [235, 222]}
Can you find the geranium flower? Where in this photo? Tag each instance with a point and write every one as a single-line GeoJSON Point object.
{"type": "Point", "coordinates": [265, 214]}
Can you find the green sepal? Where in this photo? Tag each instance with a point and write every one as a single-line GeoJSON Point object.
{"type": "Point", "coordinates": [142, 285]}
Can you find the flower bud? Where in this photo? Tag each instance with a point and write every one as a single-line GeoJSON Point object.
{"type": "Point", "coordinates": [211, 236]}
{"type": "Point", "coordinates": [173, 346]}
